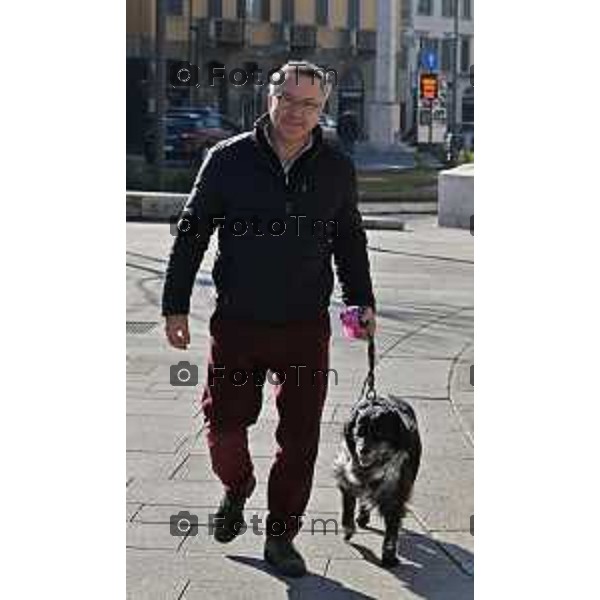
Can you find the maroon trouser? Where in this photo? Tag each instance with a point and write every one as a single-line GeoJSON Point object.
{"type": "Point", "coordinates": [241, 352]}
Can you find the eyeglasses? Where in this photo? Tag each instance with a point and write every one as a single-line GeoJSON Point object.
{"type": "Point", "coordinates": [308, 107]}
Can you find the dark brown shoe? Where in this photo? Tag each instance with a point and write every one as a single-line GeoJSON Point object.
{"type": "Point", "coordinates": [229, 518]}
{"type": "Point", "coordinates": [282, 555]}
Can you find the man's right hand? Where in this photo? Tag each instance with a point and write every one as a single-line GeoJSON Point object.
{"type": "Point", "coordinates": [177, 331]}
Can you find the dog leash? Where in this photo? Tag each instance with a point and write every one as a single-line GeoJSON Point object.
{"type": "Point", "coordinates": [369, 383]}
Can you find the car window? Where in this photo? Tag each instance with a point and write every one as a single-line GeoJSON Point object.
{"type": "Point", "coordinates": [212, 121]}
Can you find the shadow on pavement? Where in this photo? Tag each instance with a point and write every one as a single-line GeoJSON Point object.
{"type": "Point", "coordinates": [419, 570]}
{"type": "Point", "coordinates": [310, 586]}
{"type": "Point", "coordinates": [425, 569]}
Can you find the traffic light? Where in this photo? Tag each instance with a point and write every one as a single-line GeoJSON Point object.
{"type": "Point", "coordinates": [429, 86]}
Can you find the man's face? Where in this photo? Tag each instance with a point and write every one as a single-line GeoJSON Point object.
{"type": "Point", "coordinates": [296, 112]}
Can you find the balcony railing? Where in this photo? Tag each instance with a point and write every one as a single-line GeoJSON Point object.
{"type": "Point", "coordinates": [303, 36]}
{"type": "Point", "coordinates": [229, 32]}
{"type": "Point", "coordinates": [366, 41]}
{"type": "Point", "coordinates": [212, 32]}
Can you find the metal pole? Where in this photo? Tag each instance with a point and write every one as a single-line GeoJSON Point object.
{"type": "Point", "coordinates": [455, 70]}
{"type": "Point", "coordinates": [191, 57]}
{"type": "Point", "coordinates": [430, 121]}
{"type": "Point", "coordinates": [161, 87]}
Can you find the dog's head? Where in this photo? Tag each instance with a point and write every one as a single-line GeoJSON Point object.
{"type": "Point", "coordinates": [375, 433]}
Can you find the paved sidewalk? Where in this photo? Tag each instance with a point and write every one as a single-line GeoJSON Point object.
{"type": "Point", "coordinates": [424, 284]}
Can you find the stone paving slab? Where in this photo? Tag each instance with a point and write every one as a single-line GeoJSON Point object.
{"type": "Point", "coordinates": [467, 416]}
{"type": "Point", "coordinates": [440, 430]}
{"type": "Point", "coordinates": [198, 468]}
{"type": "Point", "coordinates": [141, 465]}
{"type": "Point", "coordinates": [149, 536]}
{"type": "Point", "coordinates": [162, 408]}
{"type": "Point", "coordinates": [413, 377]}
{"type": "Point", "coordinates": [325, 498]}
{"type": "Point", "coordinates": [308, 588]}
{"type": "Point", "coordinates": [156, 433]}
{"type": "Point", "coordinates": [461, 382]}
{"type": "Point", "coordinates": [210, 577]}
{"type": "Point", "coordinates": [144, 394]}
{"type": "Point", "coordinates": [132, 508]}
{"type": "Point", "coordinates": [406, 582]}
{"type": "Point", "coordinates": [443, 497]}
{"type": "Point", "coordinates": [154, 575]}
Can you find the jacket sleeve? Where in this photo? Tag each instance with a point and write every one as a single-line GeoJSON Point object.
{"type": "Point", "coordinates": [195, 226]}
{"type": "Point", "coordinates": [350, 249]}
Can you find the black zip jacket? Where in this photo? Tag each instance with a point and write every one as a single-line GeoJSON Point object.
{"type": "Point", "coordinates": [277, 232]}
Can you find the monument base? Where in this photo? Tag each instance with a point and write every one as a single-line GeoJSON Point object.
{"type": "Point", "coordinates": [384, 124]}
{"type": "Point", "coordinates": [456, 196]}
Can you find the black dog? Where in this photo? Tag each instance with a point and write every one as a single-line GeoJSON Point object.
{"type": "Point", "coordinates": [378, 464]}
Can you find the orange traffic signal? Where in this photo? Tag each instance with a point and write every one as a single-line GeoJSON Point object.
{"type": "Point", "coordinates": [429, 86]}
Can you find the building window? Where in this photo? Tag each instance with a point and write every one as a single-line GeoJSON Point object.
{"type": "Point", "coordinates": [425, 7]}
{"type": "Point", "coordinates": [465, 55]}
{"type": "Point", "coordinates": [322, 12]}
{"type": "Point", "coordinates": [447, 48]}
{"type": "Point", "coordinates": [241, 9]}
{"type": "Point", "coordinates": [264, 9]}
{"type": "Point", "coordinates": [353, 14]}
{"type": "Point", "coordinates": [405, 12]}
{"type": "Point", "coordinates": [466, 9]}
{"type": "Point", "coordinates": [175, 7]}
{"type": "Point", "coordinates": [448, 7]}
{"type": "Point", "coordinates": [287, 11]}
{"type": "Point", "coordinates": [215, 9]}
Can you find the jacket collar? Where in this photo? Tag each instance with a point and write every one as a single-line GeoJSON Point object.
{"type": "Point", "coordinates": [259, 135]}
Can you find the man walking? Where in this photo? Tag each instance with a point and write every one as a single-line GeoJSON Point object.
{"type": "Point", "coordinates": [285, 203]}
{"type": "Point", "coordinates": [348, 131]}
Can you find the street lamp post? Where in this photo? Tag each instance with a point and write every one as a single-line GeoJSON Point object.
{"type": "Point", "coordinates": [192, 30]}
{"type": "Point", "coordinates": [161, 84]}
{"type": "Point", "coordinates": [455, 70]}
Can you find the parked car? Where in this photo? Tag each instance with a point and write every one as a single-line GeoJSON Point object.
{"type": "Point", "coordinates": [329, 126]}
{"type": "Point", "coordinates": [190, 132]}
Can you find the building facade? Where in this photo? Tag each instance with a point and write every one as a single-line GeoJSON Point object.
{"type": "Point", "coordinates": [251, 35]}
{"type": "Point", "coordinates": [430, 25]}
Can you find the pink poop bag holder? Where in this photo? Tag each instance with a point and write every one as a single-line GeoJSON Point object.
{"type": "Point", "coordinates": [352, 321]}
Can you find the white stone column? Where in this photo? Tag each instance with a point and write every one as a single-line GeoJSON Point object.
{"type": "Point", "coordinates": [384, 121]}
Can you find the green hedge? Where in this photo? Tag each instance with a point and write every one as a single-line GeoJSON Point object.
{"type": "Point", "coordinates": [142, 176]}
